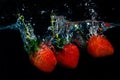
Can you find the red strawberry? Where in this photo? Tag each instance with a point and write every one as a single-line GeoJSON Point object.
{"type": "Point", "coordinates": [68, 56]}
{"type": "Point", "coordinates": [41, 56]}
{"type": "Point", "coordinates": [99, 46]}
{"type": "Point", "coordinates": [44, 59]}
{"type": "Point", "coordinates": [107, 25]}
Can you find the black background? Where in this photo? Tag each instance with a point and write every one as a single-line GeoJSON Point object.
{"type": "Point", "coordinates": [14, 61]}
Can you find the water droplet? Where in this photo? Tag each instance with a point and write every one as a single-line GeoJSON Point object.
{"type": "Point", "coordinates": [23, 9]}
{"type": "Point", "coordinates": [66, 5]}
{"type": "Point", "coordinates": [33, 24]}
{"type": "Point", "coordinates": [42, 12]}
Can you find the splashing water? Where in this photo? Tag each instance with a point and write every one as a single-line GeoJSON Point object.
{"type": "Point", "coordinates": [80, 30]}
{"type": "Point", "coordinates": [27, 33]}
{"type": "Point", "coordinates": [90, 7]}
{"type": "Point", "coordinates": [63, 31]}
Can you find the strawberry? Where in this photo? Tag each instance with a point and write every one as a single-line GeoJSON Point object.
{"type": "Point", "coordinates": [68, 56]}
{"type": "Point", "coordinates": [99, 46]}
{"type": "Point", "coordinates": [40, 54]}
{"type": "Point", "coordinates": [44, 59]}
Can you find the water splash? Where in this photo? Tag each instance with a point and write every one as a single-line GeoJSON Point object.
{"type": "Point", "coordinates": [27, 33]}
{"type": "Point", "coordinates": [62, 30]}
{"type": "Point", "coordinates": [67, 31]}
{"type": "Point", "coordinates": [90, 6]}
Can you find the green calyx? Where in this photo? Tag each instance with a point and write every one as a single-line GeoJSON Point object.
{"type": "Point", "coordinates": [60, 42]}
{"type": "Point", "coordinates": [33, 46]}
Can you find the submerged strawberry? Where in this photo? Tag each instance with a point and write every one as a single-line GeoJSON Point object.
{"type": "Point", "coordinates": [68, 56]}
{"type": "Point", "coordinates": [99, 46]}
{"type": "Point", "coordinates": [44, 59]}
{"type": "Point", "coordinates": [41, 56]}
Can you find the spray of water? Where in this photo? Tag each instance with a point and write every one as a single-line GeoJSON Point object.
{"type": "Point", "coordinates": [27, 33]}
{"type": "Point", "coordinates": [62, 31]}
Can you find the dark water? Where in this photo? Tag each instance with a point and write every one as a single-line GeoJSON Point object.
{"type": "Point", "coordinates": [14, 61]}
